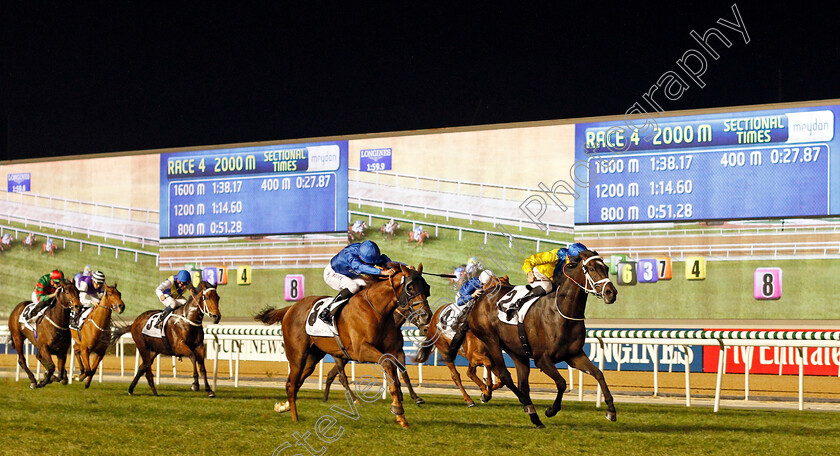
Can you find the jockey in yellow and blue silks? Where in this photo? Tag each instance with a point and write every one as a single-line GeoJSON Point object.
{"type": "Point", "coordinates": [344, 273]}
{"type": "Point", "coordinates": [173, 293]}
{"type": "Point", "coordinates": [540, 269]}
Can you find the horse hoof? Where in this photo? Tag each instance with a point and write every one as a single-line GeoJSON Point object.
{"type": "Point", "coordinates": [194, 387]}
{"type": "Point", "coordinates": [485, 398]}
{"type": "Point", "coordinates": [33, 385]}
{"type": "Point", "coordinates": [470, 404]}
{"type": "Point", "coordinates": [281, 407]}
{"type": "Point", "coordinates": [211, 394]}
{"type": "Point", "coordinates": [540, 426]}
{"type": "Point", "coordinates": [64, 381]}
{"type": "Point", "coordinates": [549, 412]}
{"type": "Point", "coordinates": [419, 401]}
{"type": "Point", "coordinates": [611, 416]}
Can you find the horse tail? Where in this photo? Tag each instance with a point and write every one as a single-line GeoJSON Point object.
{"type": "Point", "coordinates": [116, 334]}
{"type": "Point", "coordinates": [270, 315]}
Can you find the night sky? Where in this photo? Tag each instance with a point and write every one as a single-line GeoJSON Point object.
{"type": "Point", "coordinates": [127, 76]}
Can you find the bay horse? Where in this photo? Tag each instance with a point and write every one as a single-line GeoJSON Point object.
{"type": "Point", "coordinates": [554, 327]}
{"type": "Point", "coordinates": [473, 349]}
{"type": "Point", "coordinates": [185, 334]}
{"type": "Point", "coordinates": [339, 369]}
{"type": "Point", "coordinates": [52, 338]}
{"type": "Point", "coordinates": [366, 329]}
{"type": "Point", "coordinates": [94, 335]}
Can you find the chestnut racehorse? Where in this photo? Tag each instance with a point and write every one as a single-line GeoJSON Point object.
{"type": "Point", "coordinates": [419, 239]}
{"type": "Point", "coordinates": [366, 327]}
{"type": "Point", "coordinates": [555, 330]}
{"type": "Point", "coordinates": [94, 335]}
{"type": "Point", "coordinates": [473, 349]}
{"type": "Point", "coordinates": [184, 332]}
{"type": "Point", "coordinates": [338, 370]}
{"type": "Point", "coordinates": [53, 335]}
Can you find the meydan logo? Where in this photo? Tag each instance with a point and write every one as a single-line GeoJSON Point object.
{"type": "Point", "coordinates": [375, 154]}
{"type": "Point", "coordinates": [18, 178]}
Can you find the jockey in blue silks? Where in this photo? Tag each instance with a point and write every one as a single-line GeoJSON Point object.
{"type": "Point", "coordinates": [344, 273]}
{"type": "Point", "coordinates": [470, 291]}
{"type": "Point", "coordinates": [540, 269]}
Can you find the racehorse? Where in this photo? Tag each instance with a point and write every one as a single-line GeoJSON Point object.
{"type": "Point", "coordinates": [356, 230]}
{"type": "Point", "coordinates": [49, 248]}
{"type": "Point", "coordinates": [338, 370]}
{"type": "Point", "coordinates": [184, 333]}
{"type": "Point", "coordinates": [29, 241]}
{"type": "Point", "coordinates": [5, 242]}
{"type": "Point", "coordinates": [389, 230]}
{"type": "Point", "coordinates": [473, 349]}
{"type": "Point", "coordinates": [53, 335]}
{"type": "Point", "coordinates": [94, 335]}
{"type": "Point", "coordinates": [419, 238]}
{"type": "Point", "coordinates": [366, 328]}
{"type": "Point", "coordinates": [554, 328]}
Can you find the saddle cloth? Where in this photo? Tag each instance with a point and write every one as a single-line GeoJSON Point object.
{"type": "Point", "coordinates": [448, 316]}
{"type": "Point", "coordinates": [85, 315]}
{"type": "Point", "coordinates": [26, 309]}
{"type": "Point", "coordinates": [314, 325]}
{"type": "Point", "coordinates": [150, 328]}
{"type": "Point", "coordinates": [511, 297]}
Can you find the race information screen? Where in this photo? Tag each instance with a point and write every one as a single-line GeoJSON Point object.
{"type": "Point", "coordinates": [761, 164]}
{"type": "Point", "coordinates": [283, 189]}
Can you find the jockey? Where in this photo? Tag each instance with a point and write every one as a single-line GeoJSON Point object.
{"type": "Point", "coordinates": [540, 269]}
{"type": "Point", "coordinates": [389, 227]}
{"type": "Point", "coordinates": [418, 230]}
{"type": "Point", "coordinates": [473, 266]}
{"type": "Point", "coordinates": [173, 293]}
{"type": "Point", "coordinates": [473, 288]}
{"type": "Point", "coordinates": [7, 239]}
{"type": "Point", "coordinates": [91, 290]}
{"type": "Point", "coordinates": [78, 277]}
{"type": "Point", "coordinates": [344, 273]}
{"type": "Point", "coordinates": [45, 291]}
{"type": "Point", "coordinates": [358, 226]}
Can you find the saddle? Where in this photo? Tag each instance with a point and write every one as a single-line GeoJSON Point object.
{"type": "Point", "coordinates": [25, 317]}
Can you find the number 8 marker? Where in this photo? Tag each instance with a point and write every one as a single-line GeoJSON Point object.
{"type": "Point", "coordinates": [767, 283]}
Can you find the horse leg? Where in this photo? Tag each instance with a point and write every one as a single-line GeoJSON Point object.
{"type": "Point", "coordinates": [417, 399]}
{"type": "Point", "coordinates": [194, 386]}
{"type": "Point", "coordinates": [342, 377]}
{"type": "Point", "coordinates": [504, 375]}
{"type": "Point", "coordinates": [84, 359]}
{"type": "Point", "coordinates": [369, 353]}
{"type": "Point", "coordinates": [61, 362]}
{"type": "Point", "coordinates": [456, 377]}
{"type": "Point", "coordinates": [46, 360]}
{"type": "Point", "coordinates": [331, 375]}
{"type": "Point", "coordinates": [549, 369]}
{"type": "Point", "coordinates": [77, 351]}
{"type": "Point", "coordinates": [471, 368]}
{"type": "Point", "coordinates": [200, 355]}
{"type": "Point", "coordinates": [148, 359]}
{"type": "Point", "coordinates": [17, 339]}
{"type": "Point", "coordinates": [94, 363]}
{"type": "Point", "coordinates": [583, 363]}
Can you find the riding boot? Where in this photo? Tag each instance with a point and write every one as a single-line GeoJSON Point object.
{"type": "Point", "coordinates": [460, 326]}
{"type": "Point", "coordinates": [327, 315]}
{"type": "Point", "coordinates": [37, 309]}
{"type": "Point", "coordinates": [75, 315]}
{"type": "Point", "coordinates": [532, 292]}
{"type": "Point", "coordinates": [166, 311]}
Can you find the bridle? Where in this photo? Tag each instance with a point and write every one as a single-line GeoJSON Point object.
{"type": "Point", "coordinates": [404, 299]}
{"type": "Point", "coordinates": [591, 284]}
{"type": "Point", "coordinates": [201, 305]}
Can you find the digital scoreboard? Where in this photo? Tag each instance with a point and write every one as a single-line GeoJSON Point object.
{"type": "Point", "coordinates": [760, 164]}
{"type": "Point", "coordinates": [282, 189]}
